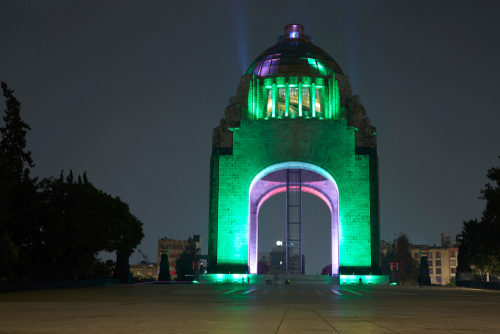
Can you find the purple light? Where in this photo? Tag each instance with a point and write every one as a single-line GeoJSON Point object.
{"type": "Point", "coordinates": [271, 181]}
{"type": "Point", "coordinates": [294, 35]}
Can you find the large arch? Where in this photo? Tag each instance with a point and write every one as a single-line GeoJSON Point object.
{"type": "Point", "coordinates": [271, 181]}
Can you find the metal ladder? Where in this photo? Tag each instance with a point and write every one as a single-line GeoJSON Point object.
{"type": "Point", "coordinates": [293, 222]}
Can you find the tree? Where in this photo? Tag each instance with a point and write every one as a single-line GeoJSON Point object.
{"type": "Point", "coordinates": [164, 268]}
{"type": "Point", "coordinates": [387, 259]}
{"type": "Point", "coordinates": [408, 267]}
{"type": "Point", "coordinates": [327, 270]}
{"type": "Point", "coordinates": [79, 221]}
{"type": "Point", "coordinates": [8, 250]}
{"type": "Point", "coordinates": [18, 196]}
{"type": "Point", "coordinates": [13, 142]}
{"type": "Point", "coordinates": [184, 263]}
{"type": "Point", "coordinates": [54, 230]}
{"type": "Point", "coordinates": [262, 268]}
{"type": "Point", "coordinates": [480, 238]}
{"type": "Point", "coordinates": [452, 282]}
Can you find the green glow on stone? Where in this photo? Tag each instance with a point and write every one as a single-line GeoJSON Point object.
{"type": "Point", "coordinates": [313, 100]}
{"type": "Point", "coordinates": [333, 150]}
{"type": "Point", "coordinates": [300, 99]}
{"type": "Point", "coordinates": [275, 92]}
{"type": "Point", "coordinates": [237, 171]}
{"type": "Point", "coordinates": [366, 279]}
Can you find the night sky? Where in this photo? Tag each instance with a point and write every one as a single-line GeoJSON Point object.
{"type": "Point", "coordinates": [130, 93]}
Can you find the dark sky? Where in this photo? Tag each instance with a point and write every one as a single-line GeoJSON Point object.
{"type": "Point", "coordinates": [130, 93]}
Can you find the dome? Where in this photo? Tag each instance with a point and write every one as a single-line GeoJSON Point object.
{"type": "Point", "coordinates": [294, 53]}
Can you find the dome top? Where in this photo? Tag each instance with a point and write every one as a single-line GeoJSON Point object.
{"type": "Point", "coordinates": [294, 54]}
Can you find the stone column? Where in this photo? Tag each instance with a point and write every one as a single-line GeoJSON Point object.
{"type": "Point", "coordinates": [275, 100]}
{"type": "Point", "coordinates": [330, 100]}
{"type": "Point", "coordinates": [257, 98]}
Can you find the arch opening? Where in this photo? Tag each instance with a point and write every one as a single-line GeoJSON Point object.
{"type": "Point", "coordinates": [316, 240]}
{"type": "Point", "coordinates": [272, 181]}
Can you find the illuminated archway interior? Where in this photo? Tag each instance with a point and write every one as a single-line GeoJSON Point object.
{"type": "Point", "coordinates": [272, 181]}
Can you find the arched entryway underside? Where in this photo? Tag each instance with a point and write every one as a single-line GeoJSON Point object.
{"type": "Point", "coordinates": [272, 181]}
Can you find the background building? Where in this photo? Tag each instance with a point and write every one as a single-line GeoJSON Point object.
{"type": "Point", "coordinates": [176, 248]}
{"type": "Point", "coordinates": [442, 260]}
{"type": "Point", "coordinates": [276, 260]}
{"type": "Point", "coordinates": [144, 270]}
{"type": "Point", "coordinates": [385, 247]}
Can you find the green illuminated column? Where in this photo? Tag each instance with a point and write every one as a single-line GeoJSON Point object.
{"type": "Point", "coordinates": [275, 100]}
{"type": "Point", "coordinates": [257, 99]}
{"type": "Point", "coordinates": [287, 98]}
{"type": "Point", "coordinates": [251, 98]}
{"type": "Point", "coordinates": [313, 99]}
{"type": "Point", "coordinates": [322, 98]}
{"type": "Point", "coordinates": [300, 99]}
{"type": "Point", "coordinates": [254, 95]}
{"type": "Point", "coordinates": [336, 99]}
{"type": "Point", "coordinates": [330, 99]}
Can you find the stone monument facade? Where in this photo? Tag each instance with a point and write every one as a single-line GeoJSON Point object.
{"type": "Point", "coordinates": [294, 110]}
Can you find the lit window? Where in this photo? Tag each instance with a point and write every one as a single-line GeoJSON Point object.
{"type": "Point", "coordinates": [430, 255]}
{"type": "Point", "coordinates": [306, 100]}
{"type": "Point", "coordinates": [438, 279]}
{"type": "Point", "coordinates": [270, 103]}
{"type": "Point", "coordinates": [430, 263]}
{"type": "Point", "coordinates": [432, 278]}
{"type": "Point", "coordinates": [438, 254]}
{"type": "Point", "coordinates": [281, 102]}
{"type": "Point", "coordinates": [453, 270]}
{"type": "Point", "coordinates": [430, 271]}
{"type": "Point", "coordinates": [319, 103]}
{"type": "Point", "coordinates": [293, 100]}
{"type": "Point", "coordinates": [452, 254]}
{"type": "Point", "coordinates": [453, 262]}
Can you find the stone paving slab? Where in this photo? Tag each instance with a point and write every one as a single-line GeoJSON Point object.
{"type": "Point", "coordinates": [162, 308]}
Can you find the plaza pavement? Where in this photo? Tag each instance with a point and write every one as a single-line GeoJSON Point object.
{"type": "Point", "coordinates": [161, 308]}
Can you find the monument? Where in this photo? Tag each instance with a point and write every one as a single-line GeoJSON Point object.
{"type": "Point", "coordinates": [294, 126]}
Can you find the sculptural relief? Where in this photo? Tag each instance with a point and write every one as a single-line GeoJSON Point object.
{"type": "Point", "coordinates": [365, 136]}
{"type": "Point", "coordinates": [365, 132]}
{"type": "Point", "coordinates": [222, 136]}
{"type": "Point", "coordinates": [356, 112]}
{"type": "Point", "coordinates": [233, 113]}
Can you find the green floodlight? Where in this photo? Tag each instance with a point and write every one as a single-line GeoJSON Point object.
{"type": "Point", "coordinates": [394, 283]}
